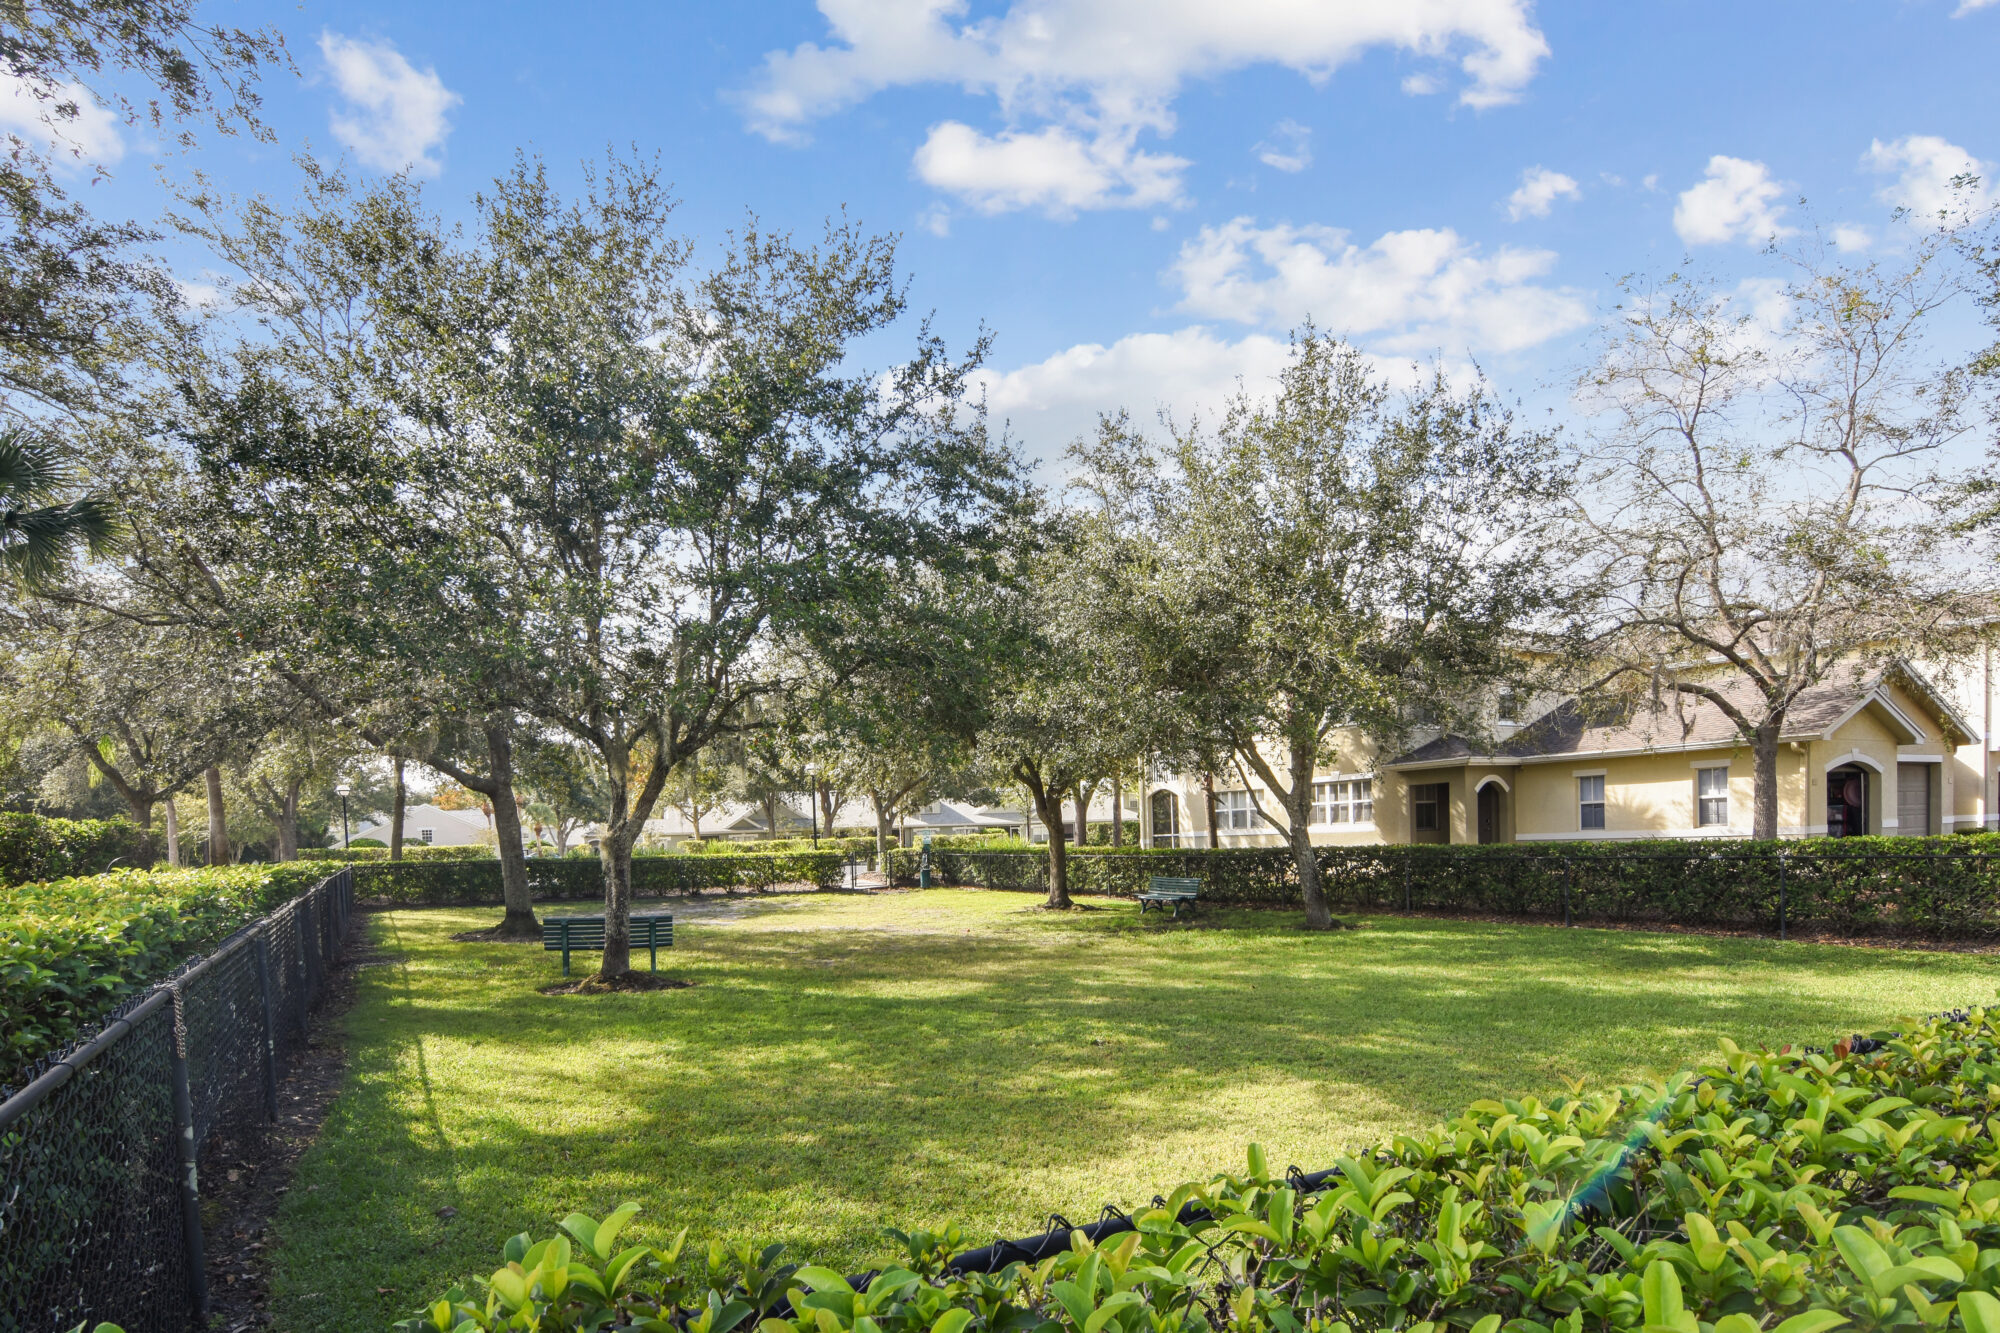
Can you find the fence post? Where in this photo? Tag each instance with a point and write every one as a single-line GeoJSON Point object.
{"type": "Point", "coordinates": [1782, 859]}
{"type": "Point", "coordinates": [191, 1240]}
{"type": "Point", "coordinates": [1569, 874]}
{"type": "Point", "coordinates": [302, 1015]}
{"type": "Point", "coordinates": [270, 1032]}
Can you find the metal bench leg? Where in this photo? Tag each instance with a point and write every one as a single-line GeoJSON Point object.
{"type": "Point", "coordinates": [653, 945]}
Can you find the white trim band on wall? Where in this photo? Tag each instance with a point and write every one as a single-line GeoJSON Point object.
{"type": "Point", "coordinates": [1854, 757]}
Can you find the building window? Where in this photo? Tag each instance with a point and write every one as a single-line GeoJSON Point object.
{"type": "Point", "coordinates": [1590, 802]}
{"type": "Point", "coordinates": [1427, 806]}
{"type": "Point", "coordinates": [1234, 813]}
{"type": "Point", "coordinates": [1351, 801]}
{"type": "Point", "coordinates": [1711, 797]}
{"type": "Point", "coordinates": [1509, 709]}
{"type": "Point", "coordinates": [425, 835]}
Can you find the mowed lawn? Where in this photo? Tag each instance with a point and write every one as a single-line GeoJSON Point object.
{"type": "Point", "coordinates": [851, 1062]}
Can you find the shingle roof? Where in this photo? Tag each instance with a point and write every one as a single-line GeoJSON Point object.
{"type": "Point", "coordinates": [1677, 722]}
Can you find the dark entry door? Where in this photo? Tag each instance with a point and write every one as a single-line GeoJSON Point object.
{"type": "Point", "coordinates": [1847, 803]}
{"type": "Point", "coordinates": [1165, 821]}
{"type": "Point", "coordinates": [1489, 812]}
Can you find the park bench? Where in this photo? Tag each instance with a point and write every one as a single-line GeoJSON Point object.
{"type": "Point", "coordinates": [1164, 891]}
{"type": "Point", "coordinates": [651, 931]}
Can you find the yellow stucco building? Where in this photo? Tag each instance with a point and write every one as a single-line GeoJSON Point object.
{"type": "Point", "coordinates": [1887, 754]}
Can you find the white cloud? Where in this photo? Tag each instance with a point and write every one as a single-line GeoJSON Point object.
{"type": "Point", "coordinates": [1051, 402]}
{"type": "Point", "coordinates": [1104, 71]}
{"type": "Point", "coordinates": [1967, 6]}
{"type": "Point", "coordinates": [1735, 201]}
{"type": "Point", "coordinates": [69, 125]}
{"type": "Point", "coordinates": [1851, 238]}
{"type": "Point", "coordinates": [397, 113]}
{"type": "Point", "coordinates": [1408, 291]}
{"type": "Point", "coordinates": [1052, 170]}
{"type": "Point", "coordinates": [1538, 191]}
{"type": "Point", "coordinates": [1924, 166]}
{"type": "Point", "coordinates": [1421, 85]}
{"type": "Point", "coordinates": [1289, 147]}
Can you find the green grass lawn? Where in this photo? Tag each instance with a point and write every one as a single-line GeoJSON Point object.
{"type": "Point", "coordinates": [848, 1063]}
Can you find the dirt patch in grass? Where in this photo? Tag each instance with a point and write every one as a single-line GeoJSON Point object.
{"type": "Point", "coordinates": [492, 935]}
{"type": "Point", "coordinates": [622, 983]}
{"type": "Point", "coordinates": [244, 1176]}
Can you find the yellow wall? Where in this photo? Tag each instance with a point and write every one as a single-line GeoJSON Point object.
{"type": "Point", "coordinates": [1647, 795]}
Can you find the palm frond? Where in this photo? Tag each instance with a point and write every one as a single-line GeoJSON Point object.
{"type": "Point", "coordinates": [32, 469]}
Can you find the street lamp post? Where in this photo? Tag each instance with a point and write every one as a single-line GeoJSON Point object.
{"type": "Point", "coordinates": [812, 797]}
{"type": "Point", "coordinates": [342, 791]}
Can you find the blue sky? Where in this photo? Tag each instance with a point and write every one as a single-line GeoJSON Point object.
{"type": "Point", "coordinates": [1141, 196]}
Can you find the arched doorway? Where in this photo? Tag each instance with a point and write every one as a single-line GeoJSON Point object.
{"type": "Point", "coordinates": [1166, 819]}
{"type": "Point", "coordinates": [1847, 802]}
{"type": "Point", "coordinates": [1490, 797]}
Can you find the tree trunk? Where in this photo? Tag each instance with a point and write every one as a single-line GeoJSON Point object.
{"type": "Point", "coordinates": [1764, 782]}
{"type": "Point", "coordinates": [1084, 792]}
{"type": "Point", "coordinates": [519, 921]}
{"type": "Point", "coordinates": [828, 808]}
{"type": "Point", "coordinates": [397, 807]}
{"type": "Point", "coordinates": [694, 819]}
{"type": "Point", "coordinates": [173, 834]}
{"type": "Point", "coordinates": [614, 850]}
{"type": "Point", "coordinates": [218, 819]}
{"type": "Point", "coordinates": [771, 814]}
{"type": "Point", "coordinates": [1319, 915]}
{"type": "Point", "coordinates": [881, 833]}
{"type": "Point", "coordinates": [1117, 812]}
{"type": "Point", "coordinates": [141, 806]}
{"type": "Point", "coordinates": [1050, 806]}
{"type": "Point", "coordinates": [1208, 798]}
{"type": "Point", "coordinates": [288, 823]}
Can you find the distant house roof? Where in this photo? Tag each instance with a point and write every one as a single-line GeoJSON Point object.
{"type": "Point", "coordinates": [1684, 721]}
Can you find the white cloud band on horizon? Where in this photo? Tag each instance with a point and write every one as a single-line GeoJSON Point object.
{"type": "Point", "coordinates": [397, 115]}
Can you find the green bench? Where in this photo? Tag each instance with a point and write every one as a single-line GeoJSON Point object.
{"type": "Point", "coordinates": [1164, 891]}
{"type": "Point", "coordinates": [651, 931]}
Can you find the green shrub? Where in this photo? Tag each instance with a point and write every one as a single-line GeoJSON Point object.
{"type": "Point", "coordinates": [367, 842]}
{"type": "Point", "coordinates": [361, 851]}
{"type": "Point", "coordinates": [575, 879]}
{"type": "Point", "coordinates": [1795, 1193]}
{"type": "Point", "coordinates": [71, 950]}
{"type": "Point", "coordinates": [1938, 887]}
{"type": "Point", "coordinates": [35, 848]}
{"type": "Point", "coordinates": [857, 847]}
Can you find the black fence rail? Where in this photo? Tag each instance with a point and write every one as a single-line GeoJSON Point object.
{"type": "Point", "coordinates": [100, 1204]}
{"type": "Point", "coordinates": [1938, 888]}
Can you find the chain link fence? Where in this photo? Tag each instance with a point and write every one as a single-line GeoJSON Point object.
{"type": "Point", "coordinates": [100, 1202]}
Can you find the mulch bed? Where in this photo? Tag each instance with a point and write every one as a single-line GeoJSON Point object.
{"type": "Point", "coordinates": [245, 1176]}
{"type": "Point", "coordinates": [622, 983]}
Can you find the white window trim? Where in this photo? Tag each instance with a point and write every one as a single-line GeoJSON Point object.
{"type": "Point", "coordinates": [1699, 798]}
{"type": "Point", "coordinates": [1603, 803]}
{"type": "Point", "coordinates": [1710, 763]}
{"type": "Point", "coordinates": [1590, 772]}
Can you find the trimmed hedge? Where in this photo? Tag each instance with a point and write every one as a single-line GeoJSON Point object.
{"type": "Point", "coordinates": [73, 950]}
{"type": "Point", "coordinates": [1763, 1193]}
{"type": "Point", "coordinates": [36, 848]}
{"type": "Point", "coordinates": [856, 847]}
{"type": "Point", "coordinates": [565, 879]}
{"type": "Point", "coordinates": [357, 855]}
{"type": "Point", "coordinates": [1936, 887]}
